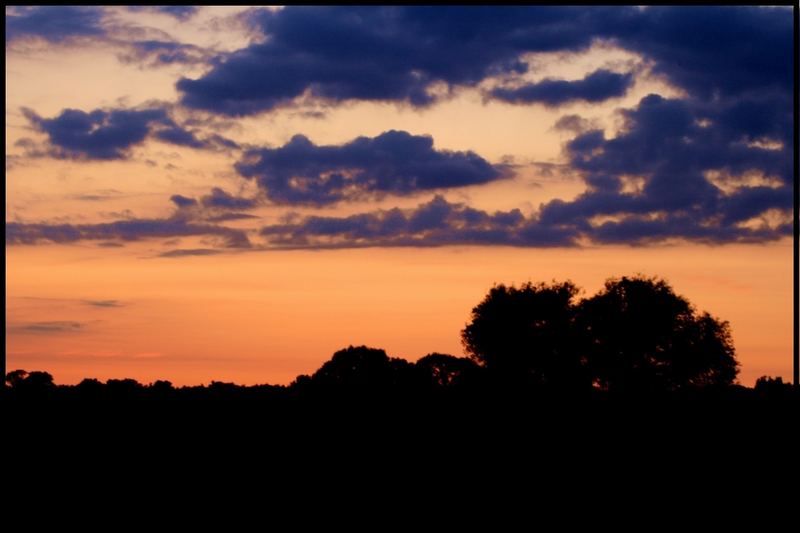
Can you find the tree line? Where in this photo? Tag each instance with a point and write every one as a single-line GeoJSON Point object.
{"type": "Point", "coordinates": [635, 336]}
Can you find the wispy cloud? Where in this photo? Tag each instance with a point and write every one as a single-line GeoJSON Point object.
{"type": "Point", "coordinates": [55, 326]}
{"type": "Point", "coordinates": [103, 303]}
{"type": "Point", "coordinates": [190, 252]}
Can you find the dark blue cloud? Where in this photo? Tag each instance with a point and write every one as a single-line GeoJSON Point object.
{"type": "Point", "coordinates": [225, 217]}
{"type": "Point", "coordinates": [174, 134]}
{"type": "Point", "coordinates": [704, 169]}
{"type": "Point", "coordinates": [596, 87]}
{"type": "Point", "coordinates": [221, 199]}
{"type": "Point", "coordinates": [400, 53]}
{"type": "Point", "coordinates": [99, 134]}
{"type": "Point", "coordinates": [121, 230]}
{"type": "Point", "coordinates": [110, 134]}
{"type": "Point", "coordinates": [218, 199]}
{"type": "Point", "coordinates": [435, 223]}
{"type": "Point", "coordinates": [182, 201]}
{"type": "Point", "coordinates": [55, 24]}
{"type": "Point", "coordinates": [161, 53]}
{"type": "Point", "coordinates": [687, 169]}
{"type": "Point", "coordinates": [441, 223]}
{"type": "Point", "coordinates": [394, 161]}
{"type": "Point", "coordinates": [386, 53]}
{"type": "Point", "coordinates": [179, 12]}
{"type": "Point", "coordinates": [716, 50]}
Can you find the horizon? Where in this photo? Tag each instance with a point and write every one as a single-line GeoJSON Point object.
{"type": "Point", "coordinates": [234, 194]}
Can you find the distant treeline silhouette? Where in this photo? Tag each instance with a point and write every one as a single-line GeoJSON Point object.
{"type": "Point", "coordinates": [635, 336]}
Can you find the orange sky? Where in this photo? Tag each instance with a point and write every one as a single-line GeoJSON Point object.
{"type": "Point", "coordinates": [268, 316]}
{"type": "Point", "coordinates": [84, 310]}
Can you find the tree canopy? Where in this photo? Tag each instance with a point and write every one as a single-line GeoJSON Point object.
{"type": "Point", "coordinates": [635, 334]}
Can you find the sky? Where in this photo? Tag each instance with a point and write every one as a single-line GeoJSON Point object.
{"type": "Point", "coordinates": [235, 193]}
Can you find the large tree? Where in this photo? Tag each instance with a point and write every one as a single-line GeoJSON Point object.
{"type": "Point", "coordinates": [641, 335]}
{"type": "Point", "coordinates": [526, 334]}
{"type": "Point", "coordinates": [635, 334]}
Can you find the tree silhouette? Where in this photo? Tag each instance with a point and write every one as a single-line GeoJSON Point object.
{"type": "Point", "coordinates": [15, 378]}
{"type": "Point", "coordinates": [635, 334]}
{"type": "Point", "coordinates": [526, 335]}
{"type": "Point", "coordinates": [639, 335]}
{"type": "Point", "coordinates": [363, 369]}
{"type": "Point", "coordinates": [445, 371]}
{"type": "Point", "coordinates": [35, 381]}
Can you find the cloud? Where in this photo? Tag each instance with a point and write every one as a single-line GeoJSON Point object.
{"type": "Point", "coordinates": [98, 134]}
{"type": "Point", "coordinates": [181, 13]}
{"type": "Point", "coordinates": [121, 230]}
{"type": "Point", "coordinates": [435, 223]}
{"type": "Point", "coordinates": [58, 25]}
{"type": "Point", "coordinates": [55, 24]}
{"type": "Point", "coordinates": [574, 124]}
{"type": "Point", "coordinates": [684, 168]}
{"type": "Point", "coordinates": [56, 326]}
{"type": "Point", "coordinates": [106, 134]}
{"type": "Point", "coordinates": [103, 303]}
{"type": "Point", "coordinates": [214, 207]}
{"type": "Point", "coordinates": [221, 199]}
{"type": "Point", "coordinates": [189, 252]}
{"type": "Point", "coordinates": [595, 87]}
{"type": "Point", "coordinates": [402, 54]}
{"type": "Point", "coordinates": [716, 51]}
{"type": "Point", "coordinates": [224, 217]}
{"type": "Point", "coordinates": [301, 172]}
{"type": "Point", "coordinates": [441, 223]}
{"type": "Point", "coordinates": [679, 169]}
{"type": "Point", "coordinates": [182, 201]}
{"type": "Point", "coordinates": [378, 54]}
{"type": "Point", "coordinates": [159, 52]}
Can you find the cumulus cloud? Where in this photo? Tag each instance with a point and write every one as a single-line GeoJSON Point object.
{"type": "Point", "coordinates": [369, 53]}
{"type": "Point", "coordinates": [401, 53]}
{"type": "Point", "coordinates": [713, 165]}
{"type": "Point", "coordinates": [596, 87]}
{"type": "Point", "coordinates": [110, 133]}
{"type": "Point", "coordinates": [301, 172]}
{"type": "Point", "coordinates": [683, 168]}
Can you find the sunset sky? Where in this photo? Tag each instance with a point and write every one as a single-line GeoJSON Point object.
{"type": "Point", "coordinates": [233, 194]}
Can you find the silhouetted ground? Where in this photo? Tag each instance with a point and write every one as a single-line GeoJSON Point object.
{"type": "Point", "coordinates": [398, 453]}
